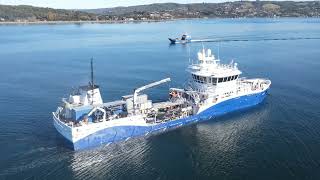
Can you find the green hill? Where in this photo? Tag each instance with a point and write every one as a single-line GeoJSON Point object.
{"type": "Point", "coordinates": [30, 13]}
{"type": "Point", "coordinates": [165, 11]}
{"type": "Point", "coordinates": [227, 9]}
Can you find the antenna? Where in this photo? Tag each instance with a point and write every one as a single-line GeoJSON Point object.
{"type": "Point", "coordinates": [92, 83]}
{"type": "Point", "coordinates": [219, 50]}
{"type": "Point", "coordinates": [189, 55]}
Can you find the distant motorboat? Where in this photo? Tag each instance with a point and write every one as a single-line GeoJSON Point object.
{"type": "Point", "coordinates": [184, 39]}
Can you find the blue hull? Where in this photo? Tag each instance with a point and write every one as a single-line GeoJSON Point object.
{"type": "Point", "coordinates": [121, 133]}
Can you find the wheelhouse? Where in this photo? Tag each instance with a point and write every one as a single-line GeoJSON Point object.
{"type": "Point", "coordinates": [213, 80]}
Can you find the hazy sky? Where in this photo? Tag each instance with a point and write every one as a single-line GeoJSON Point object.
{"type": "Point", "coordinates": [87, 4]}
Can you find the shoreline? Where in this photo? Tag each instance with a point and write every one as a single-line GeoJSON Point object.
{"type": "Point", "coordinates": [133, 21]}
{"type": "Point", "coordinates": [82, 22]}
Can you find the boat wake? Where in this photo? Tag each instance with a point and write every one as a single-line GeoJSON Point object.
{"type": "Point", "coordinates": [253, 39]}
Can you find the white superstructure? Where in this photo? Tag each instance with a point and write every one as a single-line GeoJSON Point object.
{"type": "Point", "coordinates": [214, 82]}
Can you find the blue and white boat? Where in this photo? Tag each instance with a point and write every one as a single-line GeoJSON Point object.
{"type": "Point", "coordinates": [185, 38]}
{"type": "Point", "coordinates": [213, 89]}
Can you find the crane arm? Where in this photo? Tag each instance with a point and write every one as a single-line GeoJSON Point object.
{"type": "Point", "coordinates": [136, 92]}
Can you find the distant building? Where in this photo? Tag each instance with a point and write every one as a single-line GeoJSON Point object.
{"type": "Point", "coordinates": [167, 16]}
{"type": "Point", "coordinates": [156, 15]}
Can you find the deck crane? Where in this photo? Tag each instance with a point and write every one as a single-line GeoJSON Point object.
{"type": "Point", "coordinates": [138, 90]}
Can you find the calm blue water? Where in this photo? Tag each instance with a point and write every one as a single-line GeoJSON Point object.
{"type": "Point", "coordinates": [279, 139]}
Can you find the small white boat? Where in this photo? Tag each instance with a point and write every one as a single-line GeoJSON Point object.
{"type": "Point", "coordinates": [184, 39]}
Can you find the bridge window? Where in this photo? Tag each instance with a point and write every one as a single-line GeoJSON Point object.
{"type": "Point", "coordinates": [195, 77]}
{"type": "Point", "coordinates": [229, 78]}
{"type": "Point", "coordinates": [200, 79]}
{"type": "Point", "coordinates": [220, 80]}
{"type": "Point", "coordinates": [225, 79]}
{"type": "Point", "coordinates": [204, 79]}
{"type": "Point", "coordinates": [214, 81]}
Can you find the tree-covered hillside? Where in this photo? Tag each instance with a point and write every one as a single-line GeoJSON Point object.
{"type": "Point", "coordinates": [165, 11]}
{"type": "Point", "coordinates": [222, 10]}
{"type": "Point", "coordinates": [30, 13]}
